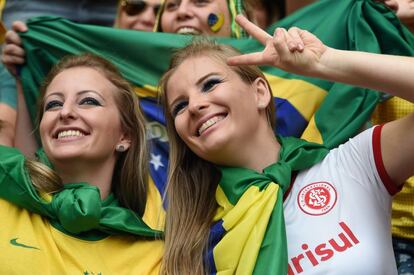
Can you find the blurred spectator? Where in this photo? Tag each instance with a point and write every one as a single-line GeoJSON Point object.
{"type": "Point", "coordinates": [137, 14]}
{"type": "Point", "coordinates": [265, 12]}
{"type": "Point", "coordinates": [293, 5]}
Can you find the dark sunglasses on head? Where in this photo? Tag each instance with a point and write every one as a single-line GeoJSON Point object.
{"type": "Point", "coordinates": [134, 7]}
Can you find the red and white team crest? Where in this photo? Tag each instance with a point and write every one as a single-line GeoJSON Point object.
{"type": "Point", "coordinates": [317, 198]}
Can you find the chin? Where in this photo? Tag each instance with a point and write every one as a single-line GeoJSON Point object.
{"type": "Point", "coordinates": [213, 152]}
{"type": "Point", "coordinates": [66, 156]}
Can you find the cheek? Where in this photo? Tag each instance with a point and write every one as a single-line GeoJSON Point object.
{"type": "Point", "coordinates": [166, 21]}
{"type": "Point", "coordinates": [114, 127]}
{"type": "Point", "coordinates": [124, 21]}
{"type": "Point", "coordinates": [44, 125]}
{"type": "Point", "coordinates": [180, 128]}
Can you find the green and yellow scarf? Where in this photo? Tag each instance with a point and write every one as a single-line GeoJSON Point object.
{"type": "Point", "coordinates": [76, 210]}
{"type": "Point", "coordinates": [248, 236]}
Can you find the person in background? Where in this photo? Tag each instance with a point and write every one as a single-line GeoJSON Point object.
{"type": "Point", "coordinates": [213, 18]}
{"type": "Point", "coordinates": [265, 12]}
{"type": "Point", "coordinates": [137, 15]}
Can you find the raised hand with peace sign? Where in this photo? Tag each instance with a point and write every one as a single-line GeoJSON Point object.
{"type": "Point", "coordinates": [294, 50]}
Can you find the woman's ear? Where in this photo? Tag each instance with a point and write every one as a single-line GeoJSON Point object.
{"type": "Point", "coordinates": [263, 94]}
{"type": "Point", "coordinates": [124, 143]}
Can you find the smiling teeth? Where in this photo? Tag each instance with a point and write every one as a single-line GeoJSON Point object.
{"type": "Point", "coordinates": [70, 133]}
{"type": "Point", "coordinates": [209, 123]}
{"type": "Point", "coordinates": [188, 30]}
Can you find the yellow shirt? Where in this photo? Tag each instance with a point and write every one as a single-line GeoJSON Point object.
{"type": "Point", "coordinates": [403, 202]}
{"type": "Point", "coordinates": [31, 245]}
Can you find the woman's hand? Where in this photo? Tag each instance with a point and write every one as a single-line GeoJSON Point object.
{"type": "Point", "coordinates": [392, 4]}
{"type": "Point", "coordinates": [296, 50]}
{"type": "Point", "coordinates": [13, 53]}
{"type": "Point", "coordinates": [405, 11]}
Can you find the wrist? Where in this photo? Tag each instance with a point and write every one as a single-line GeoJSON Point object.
{"type": "Point", "coordinates": [327, 65]}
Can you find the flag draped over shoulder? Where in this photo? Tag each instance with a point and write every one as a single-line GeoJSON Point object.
{"type": "Point", "coordinates": [314, 109]}
{"type": "Point", "coordinates": [249, 235]}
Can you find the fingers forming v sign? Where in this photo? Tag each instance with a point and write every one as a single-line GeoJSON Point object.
{"type": "Point", "coordinates": [296, 50]}
{"type": "Point", "coordinates": [257, 58]}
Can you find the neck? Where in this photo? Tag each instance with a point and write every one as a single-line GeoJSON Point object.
{"type": "Point", "coordinates": [256, 153]}
{"type": "Point", "coordinates": [97, 174]}
{"type": "Point", "coordinates": [262, 153]}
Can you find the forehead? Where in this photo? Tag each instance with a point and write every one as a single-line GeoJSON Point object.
{"type": "Point", "coordinates": [143, 1]}
{"type": "Point", "coordinates": [221, 3]}
{"type": "Point", "coordinates": [194, 68]}
{"type": "Point", "coordinates": [154, 2]}
{"type": "Point", "coordinates": [80, 78]}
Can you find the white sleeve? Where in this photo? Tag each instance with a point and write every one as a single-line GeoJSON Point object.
{"type": "Point", "coordinates": [361, 159]}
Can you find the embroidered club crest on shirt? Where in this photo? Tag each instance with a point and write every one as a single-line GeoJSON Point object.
{"type": "Point", "coordinates": [317, 198]}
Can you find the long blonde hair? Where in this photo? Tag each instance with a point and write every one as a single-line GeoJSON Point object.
{"type": "Point", "coordinates": [130, 178]}
{"type": "Point", "coordinates": [192, 181]}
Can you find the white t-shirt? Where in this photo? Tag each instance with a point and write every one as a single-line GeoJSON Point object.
{"type": "Point", "coordinates": [338, 212]}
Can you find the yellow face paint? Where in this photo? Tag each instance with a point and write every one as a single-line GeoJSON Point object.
{"type": "Point", "coordinates": [215, 22]}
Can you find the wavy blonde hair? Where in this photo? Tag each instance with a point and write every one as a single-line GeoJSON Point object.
{"type": "Point", "coordinates": [192, 181]}
{"type": "Point", "coordinates": [130, 178]}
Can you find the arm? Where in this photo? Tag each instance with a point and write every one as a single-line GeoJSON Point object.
{"type": "Point", "coordinates": [387, 73]}
{"type": "Point", "coordinates": [25, 139]}
{"type": "Point", "coordinates": [300, 52]}
{"type": "Point", "coordinates": [7, 125]}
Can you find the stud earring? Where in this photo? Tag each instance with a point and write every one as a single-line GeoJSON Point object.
{"type": "Point", "coordinates": [120, 148]}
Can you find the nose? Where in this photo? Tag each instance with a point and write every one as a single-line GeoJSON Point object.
{"type": "Point", "coordinates": [184, 11]}
{"type": "Point", "coordinates": [67, 112]}
{"type": "Point", "coordinates": [148, 17]}
{"type": "Point", "coordinates": [197, 105]}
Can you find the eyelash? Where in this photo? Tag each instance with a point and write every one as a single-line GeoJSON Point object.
{"type": "Point", "coordinates": [85, 101]}
{"type": "Point", "coordinates": [210, 84]}
{"type": "Point", "coordinates": [90, 101]}
{"type": "Point", "coordinates": [172, 5]}
{"type": "Point", "coordinates": [53, 104]}
{"type": "Point", "coordinates": [178, 107]}
{"type": "Point", "coordinates": [206, 87]}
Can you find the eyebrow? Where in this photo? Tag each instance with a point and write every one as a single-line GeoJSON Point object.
{"type": "Point", "coordinates": [78, 93]}
{"type": "Point", "coordinates": [201, 79]}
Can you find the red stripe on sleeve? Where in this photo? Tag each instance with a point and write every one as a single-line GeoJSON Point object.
{"type": "Point", "coordinates": [379, 163]}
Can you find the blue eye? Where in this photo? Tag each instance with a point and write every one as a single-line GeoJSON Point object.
{"type": "Point", "coordinates": [177, 108]}
{"type": "Point", "coordinates": [210, 84]}
{"type": "Point", "coordinates": [53, 104]}
{"type": "Point", "coordinates": [90, 101]}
